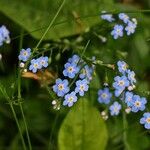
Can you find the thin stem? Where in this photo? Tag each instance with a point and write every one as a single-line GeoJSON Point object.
{"type": "Point", "coordinates": [19, 96]}
{"type": "Point", "coordinates": [125, 124]}
{"type": "Point", "coordinates": [50, 25]}
{"type": "Point", "coordinates": [15, 117]}
{"type": "Point", "coordinates": [3, 91]}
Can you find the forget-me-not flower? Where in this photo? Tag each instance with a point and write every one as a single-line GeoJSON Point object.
{"type": "Point", "coordinates": [124, 17]}
{"type": "Point", "coordinates": [115, 109]}
{"type": "Point", "coordinates": [61, 87]}
{"type": "Point", "coordinates": [35, 65]}
{"type": "Point", "coordinates": [81, 86]}
{"type": "Point", "coordinates": [117, 31]}
{"type": "Point", "coordinates": [71, 69]}
{"type": "Point", "coordinates": [70, 99]}
{"type": "Point", "coordinates": [104, 96]}
{"type": "Point", "coordinates": [138, 103]}
{"type": "Point", "coordinates": [146, 120]}
{"type": "Point", "coordinates": [24, 54]}
{"type": "Point", "coordinates": [130, 28]}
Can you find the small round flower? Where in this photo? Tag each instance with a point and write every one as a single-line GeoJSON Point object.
{"type": "Point", "coordinates": [24, 54]}
{"type": "Point", "coordinates": [134, 21]}
{"type": "Point", "coordinates": [61, 87]}
{"type": "Point", "coordinates": [118, 92]}
{"type": "Point", "coordinates": [86, 72]}
{"type": "Point", "coordinates": [35, 65]}
{"type": "Point", "coordinates": [70, 99]}
{"type": "Point", "coordinates": [130, 28]}
{"type": "Point", "coordinates": [117, 31]}
{"type": "Point", "coordinates": [128, 110]}
{"type": "Point", "coordinates": [120, 82]}
{"type": "Point", "coordinates": [115, 109]}
{"type": "Point", "coordinates": [81, 87]}
{"type": "Point", "coordinates": [128, 98]}
{"type": "Point", "coordinates": [138, 104]}
{"type": "Point", "coordinates": [104, 96]}
{"type": "Point", "coordinates": [74, 59]}
{"type": "Point", "coordinates": [25, 70]}
{"type": "Point", "coordinates": [122, 66]}
{"type": "Point", "coordinates": [1, 57]}
{"type": "Point", "coordinates": [70, 70]}
{"type": "Point", "coordinates": [43, 61]}
{"type": "Point", "coordinates": [124, 17]}
{"type": "Point", "coordinates": [107, 17]}
{"type": "Point", "coordinates": [131, 76]}
{"type": "Point", "coordinates": [146, 120]}
{"type": "Point", "coordinates": [4, 35]}
{"type": "Point", "coordinates": [21, 65]}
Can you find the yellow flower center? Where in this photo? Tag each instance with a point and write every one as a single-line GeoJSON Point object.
{"type": "Point", "coordinates": [121, 83]}
{"type": "Point", "coordinates": [148, 120]}
{"type": "Point", "coordinates": [138, 104]}
{"type": "Point", "coordinates": [60, 87]}
{"type": "Point", "coordinates": [104, 95]}
{"type": "Point", "coordinates": [70, 99]}
{"type": "Point", "coordinates": [25, 53]}
{"type": "Point", "coordinates": [70, 69]}
{"type": "Point", "coordinates": [81, 87]}
{"type": "Point", "coordinates": [35, 65]}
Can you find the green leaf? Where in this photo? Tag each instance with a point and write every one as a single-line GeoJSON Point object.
{"type": "Point", "coordinates": [35, 14]}
{"type": "Point", "coordinates": [83, 128]}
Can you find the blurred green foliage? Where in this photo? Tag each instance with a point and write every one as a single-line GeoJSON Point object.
{"type": "Point", "coordinates": [80, 127]}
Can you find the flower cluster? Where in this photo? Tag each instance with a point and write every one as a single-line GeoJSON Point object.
{"type": "Point", "coordinates": [4, 35]}
{"type": "Point", "coordinates": [126, 24]}
{"type": "Point", "coordinates": [35, 64]}
{"type": "Point", "coordinates": [75, 68]}
{"type": "Point", "coordinates": [123, 86]}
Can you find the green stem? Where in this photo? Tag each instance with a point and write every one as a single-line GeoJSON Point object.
{"type": "Point", "coordinates": [14, 114]}
{"type": "Point", "coordinates": [19, 96]}
{"type": "Point", "coordinates": [125, 125]}
{"type": "Point", "coordinates": [50, 25]}
{"type": "Point", "coordinates": [3, 91]}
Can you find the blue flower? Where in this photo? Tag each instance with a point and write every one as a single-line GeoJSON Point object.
{"type": "Point", "coordinates": [71, 70]}
{"type": "Point", "coordinates": [61, 87]}
{"type": "Point", "coordinates": [107, 17]}
{"type": "Point", "coordinates": [104, 96]}
{"type": "Point", "coordinates": [138, 103]}
{"type": "Point", "coordinates": [115, 109]}
{"type": "Point", "coordinates": [24, 54]}
{"type": "Point", "coordinates": [86, 72]}
{"type": "Point", "coordinates": [128, 98]}
{"type": "Point", "coordinates": [81, 86]}
{"type": "Point", "coordinates": [122, 66]}
{"type": "Point", "coordinates": [120, 82]}
{"type": "Point", "coordinates": [74, 59]}
{"type": "Point", "coordinates": [4, 35]}
{"type": "Point", "coordinates": [35, 65]}
{"type": "Point", "coordinates": [117, 31]}
{"type": "Point", "coordinates": [43, 61]}
{"type": "Point", "coordinates": [146, 120]}
{"type": "Point", "coordinates": [118, 92]}
{"type": "Point", "coordinates": [130, 28]}
{"type": "Point", "coordinates": [131, 76]}
{"type": "Point", "coordinates": [70, 99]}
{"type": "Point", "coordinates": [124, 17]}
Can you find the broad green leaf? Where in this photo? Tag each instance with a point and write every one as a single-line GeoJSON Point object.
{"type": "Point", "coordinates": [83, 128]}
{"type": "Point", "coordinates": [35, 14]}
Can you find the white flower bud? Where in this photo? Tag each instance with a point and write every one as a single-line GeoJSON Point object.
{"type": "Point", "coordinates": [25, 70]}
{"type": "Point", "coordinates": [105, 117]}
{"type": "Point", "coordinates": [130, 88]}
{"type": "Point", "coordinates": [134, 20]}
{"type": "Point", "coordinates": [128, 110]}
{"type": "Point", "coordinates": [0, 57]}
{"type": "Point", "coordinates": [54, 102]}
{"type": "Point", "coordinates": [103, 113]}
{"type": "Point", "coordinates": [21, 65]}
